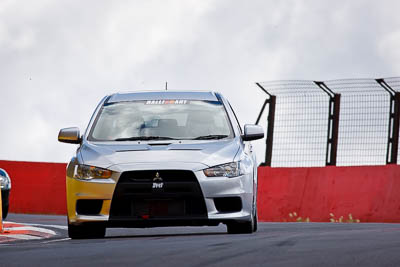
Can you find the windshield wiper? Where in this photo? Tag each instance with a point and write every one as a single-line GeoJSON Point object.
{"type": "Point", "coordinates": [211, 136]}
{"type": "Point", "coordinates": [138, 138]}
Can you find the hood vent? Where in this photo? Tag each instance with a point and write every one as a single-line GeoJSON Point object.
{"type": "Point", "coordinates": [184, 148]}
{"type": "Point", "coordinates": [159, 144]}
{"type": "Point", "coordinates": [130, 150]}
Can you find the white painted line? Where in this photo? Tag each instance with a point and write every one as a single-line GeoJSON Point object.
{"type": "Point", "coordinates": [30, 228]}
{"type": "Point", "coordinates": [62, 227]}
{"type": "Point", "coordinates": [23, 237]}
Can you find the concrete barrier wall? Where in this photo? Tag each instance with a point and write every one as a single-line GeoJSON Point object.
{"type": "Point", "coordinates": [36, 187]}
{"type": "Point", "coordinates": [369, 193]}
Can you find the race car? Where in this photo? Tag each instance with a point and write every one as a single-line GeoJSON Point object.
{"type": "Point", "coordinates": [150, 159]}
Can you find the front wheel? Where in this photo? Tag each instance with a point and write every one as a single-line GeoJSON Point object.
{"type": "Point", "coordinates": [5, 211]}
{"type": "Point", "coordinates": [88, 231]}
{"type": "Point", "coordinates": [244, 227]}
{"type": "Point", "coordinates": [255, 222]}
{"type": "Point", "coordinates": [5, 194]}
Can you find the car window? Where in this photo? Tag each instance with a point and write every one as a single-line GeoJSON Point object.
{"type": "Point", "coordinates": [177, 119]}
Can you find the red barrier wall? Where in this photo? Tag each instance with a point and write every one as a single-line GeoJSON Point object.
{"type": "Point", "coordinates": [369, 193]}
{"type": "Point", "coordinates": [36, 187]}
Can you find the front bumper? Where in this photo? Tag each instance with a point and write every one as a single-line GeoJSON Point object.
{"type": "Point", "coordinates": [211, 189]}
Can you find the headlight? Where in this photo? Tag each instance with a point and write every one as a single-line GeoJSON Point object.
{"type": "Point", "coordinates": [5, 183]}
{"type": "Point", "coordinates": [232, 169]}
{"type": "Point", "coordinates": [90, 172]}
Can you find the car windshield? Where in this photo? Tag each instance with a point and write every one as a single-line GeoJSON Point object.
{"type": "Point", "coordinates": [161, 119]}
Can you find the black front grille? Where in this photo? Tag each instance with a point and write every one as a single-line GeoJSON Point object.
{"type": "Point", "coordinates": [143, 195]}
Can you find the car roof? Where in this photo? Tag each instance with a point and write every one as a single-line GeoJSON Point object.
{"type": "Point", "coordinates": [162, 95]}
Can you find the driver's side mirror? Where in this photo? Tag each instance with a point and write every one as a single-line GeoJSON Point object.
{"type": "Point", "coordinates": [252, 132]}
{"type": "Point", "coordinates": [69, 135]}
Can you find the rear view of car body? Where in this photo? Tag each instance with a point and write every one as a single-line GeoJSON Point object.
{"type": "Point", "coordinates": [158, 180]}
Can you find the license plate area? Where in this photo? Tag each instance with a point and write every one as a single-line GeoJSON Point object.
{"type": "Point", "coordinates": [151, 208]}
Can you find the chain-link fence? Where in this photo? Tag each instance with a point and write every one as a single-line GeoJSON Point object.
{"type": "Point", "coordinates": [342, 122]}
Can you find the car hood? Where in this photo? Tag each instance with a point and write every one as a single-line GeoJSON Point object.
{"type": "Point", "coordinates": [196, 154]}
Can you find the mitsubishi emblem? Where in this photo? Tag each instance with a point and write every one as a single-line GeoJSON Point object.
{"type": "Point", "coordinates": [157, 182]}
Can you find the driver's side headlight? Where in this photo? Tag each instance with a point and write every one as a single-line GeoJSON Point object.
{"type": "Point", "coordinates": [232, 169]}
{"type": "Point", "coordinates": [86, 172]}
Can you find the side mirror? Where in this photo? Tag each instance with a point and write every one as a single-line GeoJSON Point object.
{"type": "Point", "coordinates": [69, 135]}
{"type": "Point", "coordinates": [252, 132]}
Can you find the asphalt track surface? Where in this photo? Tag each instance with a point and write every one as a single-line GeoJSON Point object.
{"type": "Point", "coordinates": [275, 244]}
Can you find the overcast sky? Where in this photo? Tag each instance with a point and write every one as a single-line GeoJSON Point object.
{"type": "Point", "coordinates": [59, 58]}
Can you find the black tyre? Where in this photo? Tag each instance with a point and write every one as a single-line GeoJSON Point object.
{"type": "Point", "coordinates": [5, 211]}
{"type": "Point", "coordinates": [255, 226]}
{"type": "Point", "coordinates": [86, 231]}
{"type": "Point", "coordinates": [5, 194]}
{"type": "Point", "coordinates": [240, 227]}
{"type": "Point", "coordinates": [246, 227]}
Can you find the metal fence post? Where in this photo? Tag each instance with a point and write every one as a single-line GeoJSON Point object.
{"type": "Point", "coordinates": [270, 131]}
{"type": "Point", "coordinates": [333, 124]}
{"type": "Point", "coordinates": [271, 101]}
{"type": "Point", "coordinates": [394, 123]}
{"type": "Point", "coordinates": [334, 131]}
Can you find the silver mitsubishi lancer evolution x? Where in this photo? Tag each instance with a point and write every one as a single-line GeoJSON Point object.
{"type": "Point", "coordinates": [150, 159]}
